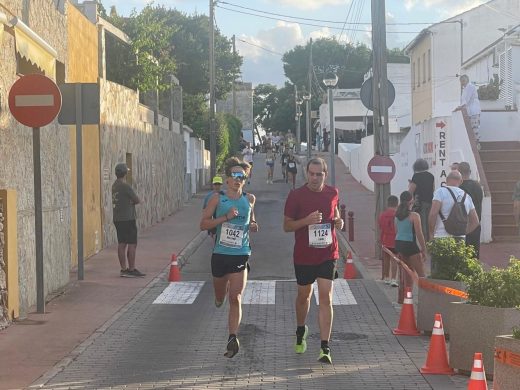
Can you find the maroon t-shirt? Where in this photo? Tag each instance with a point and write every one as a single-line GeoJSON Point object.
{"type": "Point", "coordinates": [300, 203]}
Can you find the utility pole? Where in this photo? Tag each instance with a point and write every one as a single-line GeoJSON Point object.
{"type": "Point", "coordinates": [308, 105]}
{"type": "Point", "coordinates": [298, 102]}
{"type": "Point", "coordinates": [380, 103]}
{"type": "Point", "coordinates": [233, 87]}
{"type": "Point", "coordinates": [212, 129]}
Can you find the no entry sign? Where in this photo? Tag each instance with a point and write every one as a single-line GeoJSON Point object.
{"type": "Point", "coordinates": [34, 100]}
{"type": "Point", "coordinates": [381, 169]}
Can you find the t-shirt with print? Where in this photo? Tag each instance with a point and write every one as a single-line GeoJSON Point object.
{"type": "Point", "coordinates": [299, 204]}
{"type": "Point", "coordinates": [123, 201]}
{"type": "Point", "coordinates": [443, 195]}
{"type": "Point", "coordinates": [423, 186]}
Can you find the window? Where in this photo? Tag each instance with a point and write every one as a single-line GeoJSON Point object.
{"type": "Point", "coordinates": [429, 64]}
{"type": "Point", "coordinates": [413, 75]}
{"type": "Point", "coordinates": [424, 68]}
{"type": "Point", "coordinates": [419, 71]}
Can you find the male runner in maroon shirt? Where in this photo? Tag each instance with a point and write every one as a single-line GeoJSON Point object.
{"type": "Point", "coordinates": [312, 213]}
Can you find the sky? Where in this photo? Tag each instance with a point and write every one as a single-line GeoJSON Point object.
{"type": "Point", "coordinates": [262, 41]}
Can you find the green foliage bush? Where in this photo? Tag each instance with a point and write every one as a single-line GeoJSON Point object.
{"type": "Point", "coordinates": [228, 135]}
{"type": "Point", "coordinates": [490, 91]}
{"type": "Point", "coordinates": [516, 332]}
{"type": "Point", "coordinates": [497, 287]}
{"type": "Point", "coordinates": [451, 259]}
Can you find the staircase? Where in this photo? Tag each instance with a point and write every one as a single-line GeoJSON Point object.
{"type": "Point", "coordinates": [501, 162]}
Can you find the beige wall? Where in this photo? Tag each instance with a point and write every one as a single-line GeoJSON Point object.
{"type": "Point", "coordinates": [83, 68]}
{"type": "Point", "coordinates": [422, 77]}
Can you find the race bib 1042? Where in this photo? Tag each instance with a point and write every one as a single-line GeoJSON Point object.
{"type": "Point", "coordinates": [231, 235]}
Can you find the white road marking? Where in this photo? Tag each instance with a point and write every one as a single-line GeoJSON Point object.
{"type": "Point", "coordinates": [180, 293]}
{"type": "Point", "coordinates": [259, 292]}
{"type": "Point", "coordinates": [34, 100]}
{"type": "Point", "coordinates": [341, 293]}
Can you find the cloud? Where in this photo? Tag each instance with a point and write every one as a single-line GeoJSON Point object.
{"type": "Point", "coordinates": [445, 8]}
{"type": "Point", "coordinates": [308, 4]}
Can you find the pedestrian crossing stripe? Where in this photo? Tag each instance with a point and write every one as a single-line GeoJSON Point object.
{"type": "Point", "coordinates": [257, 292]}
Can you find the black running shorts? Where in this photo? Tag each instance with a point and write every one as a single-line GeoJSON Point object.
{"type": "Point", "coordinates": [222, 265]}
{"type": "Point", "coordinates": [307, 274]}
{"type": "Point", "coordinates": [126, 232]}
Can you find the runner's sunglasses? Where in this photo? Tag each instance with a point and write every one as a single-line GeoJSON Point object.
{"type": "Point", "coordinates": [238, 176]}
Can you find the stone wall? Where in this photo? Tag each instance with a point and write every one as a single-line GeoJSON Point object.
{"type": "Point", "coordinates": [157, 158]}
{"type": "Point", "coordinates": [4, 316]}
{"type": "Point", "coordinates": [16, 169]}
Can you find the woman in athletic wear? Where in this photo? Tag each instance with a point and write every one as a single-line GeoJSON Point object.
{"type": "Point", "coordinates": [234, 219]}
{"type": "Point", "coordinates": [292, 170]}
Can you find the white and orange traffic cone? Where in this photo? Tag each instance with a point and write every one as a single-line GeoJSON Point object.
{"type": "Point", "coordinates": [175, 274]}
{"type": "Point", "coordinates": [407, 325]}
{"type": "Point", "coordinates": [437, 359]}
{"type": "Point", "coordinates": [350, 270]}
{"type": "Point", "coordinates": [477, 381]}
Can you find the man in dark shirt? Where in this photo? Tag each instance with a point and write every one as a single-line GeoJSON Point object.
{"type": "Point", "coordinates": [474, 190]}
{"type": "Point", "coordinates": [124, 200]}
{"type": "Point", "coordinates": [421, 187]}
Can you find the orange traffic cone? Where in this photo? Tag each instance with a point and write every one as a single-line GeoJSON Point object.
{"type": "Point", "coordinates": [350, 271]}
{"type": "Point", "coordinates": [175, 274]}
{"type": "Point", "coordinates": [437, 359]}
{"type": "Point", "coordinates": [407, 325]}
{"type": "Point", "coordinates": [477, 380]}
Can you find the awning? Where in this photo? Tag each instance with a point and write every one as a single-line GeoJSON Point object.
{"type": "Point", "coordinates": [34, 49]}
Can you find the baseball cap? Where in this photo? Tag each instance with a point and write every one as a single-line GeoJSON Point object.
{"type": "Point", "coordinates": [121, 169]}
{"type": "Point", "coordinates": [217, 180]}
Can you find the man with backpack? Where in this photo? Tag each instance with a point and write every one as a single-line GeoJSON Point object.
{"type": "Point", "coordinates": [453, 213]}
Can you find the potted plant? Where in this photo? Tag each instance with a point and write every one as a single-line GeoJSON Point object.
{"type": "Point", "coordinates": [450, 259]}
{"type": "Point", "coordinates": [505, 375]}
{"type": "Point", "coordinates": [489, 95]}
{"type": "Point", "coordinates": [492, 309]}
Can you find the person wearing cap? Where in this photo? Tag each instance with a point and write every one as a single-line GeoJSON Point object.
{"type": "Point", "coordinates": [124, 200]}
{"type": "Point", "coordinates": [216, 185]}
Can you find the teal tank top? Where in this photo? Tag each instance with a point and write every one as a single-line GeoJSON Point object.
{"type": "Point", "coordinates": [232, 237]}
{"type": "Point", "coordinates": [404, 230]}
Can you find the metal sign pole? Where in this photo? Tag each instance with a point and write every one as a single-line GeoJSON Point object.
{"type": "Point", "coordinates": [38, 222]}
{"type": "Point", "coordinates": [79, 179]}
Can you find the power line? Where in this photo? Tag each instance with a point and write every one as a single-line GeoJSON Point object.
{"type": "Point", "coordinates": [307, 24]}
{"type": "Point", "coordinates": [260, 47]}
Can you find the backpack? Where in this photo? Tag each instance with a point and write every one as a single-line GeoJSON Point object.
{"type": "Point", "coordinates": [457, 220]}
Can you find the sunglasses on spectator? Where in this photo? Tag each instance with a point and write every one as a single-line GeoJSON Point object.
{"type": "Point", "coordinates": [238, 176]}
{"type": "Point", "coordinates": [317, 174]}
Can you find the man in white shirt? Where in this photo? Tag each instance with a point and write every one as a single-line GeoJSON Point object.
{"type": "Point", "coordinates": [443, 202]}
{"type": "Point", "coordinates": [469, 101]}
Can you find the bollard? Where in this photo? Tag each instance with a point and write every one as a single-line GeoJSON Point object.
{"type": "Point", "coordinates": [342, 216]}
{"type": "Point", "coordinates": [400, 291]}
{"type": "Point", "coordinates": [351, 226]}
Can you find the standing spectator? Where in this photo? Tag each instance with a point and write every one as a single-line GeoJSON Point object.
{"type": "Point", "coordinates": [516, 205]}
{"type": "Point", "coordinates": [421, 187]}
{"type": "Point", "coordinates": [312, 213]}
{"type": "Point", "coordinates": [470, 104]}
{"type": "Point", "coordinates": [409, 231]}
{"type": "Point", "coordinates": [124, 200]}
{"type": "Point", "coordinates": [474, 190]}
{"type": "Point", "coordinates": [387, 228]}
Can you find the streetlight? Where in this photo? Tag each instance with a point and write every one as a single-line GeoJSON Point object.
{"type": "Point", "coordinates": [307, 98]}
{"type": "Point", "coordinates": [330, 80]}
{"type": "Point", "coordinates": [299, 102]}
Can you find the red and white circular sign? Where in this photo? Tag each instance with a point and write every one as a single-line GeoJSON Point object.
{"type": "Point", "coordinates": [381, 169]}
{"type": "Point", "coordinates": [34, 100]}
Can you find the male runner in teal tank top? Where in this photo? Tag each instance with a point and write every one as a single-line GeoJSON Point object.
{"type": "Point", "coordinates": [234, 219]}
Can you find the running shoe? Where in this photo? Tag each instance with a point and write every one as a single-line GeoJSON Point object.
{"type": "Point", "coordinates": [124, 273]}
{"type": "Point", "coordinates": [232, 347]}
{"type": "Point", "coordinates": [394, 283]}
{"type": "Point", "coordinates": [325, 356]}
{"type": "Point", "coordinates": [302, 346]}
{"type": "Point", "coordinates": [135, 273]}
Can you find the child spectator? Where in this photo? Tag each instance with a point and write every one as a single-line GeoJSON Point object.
{"type": "Point", "coordinates": [387, 229]}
